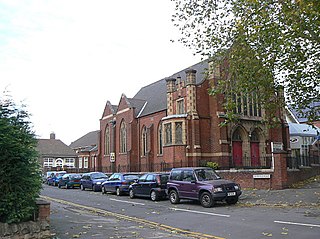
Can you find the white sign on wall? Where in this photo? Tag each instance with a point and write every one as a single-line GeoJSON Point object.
{"type": "Point", "coordinates": [276, 147]}
{"type": "Point", "coordinates": [112, 157]}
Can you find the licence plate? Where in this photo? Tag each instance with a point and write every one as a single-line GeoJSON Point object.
{"type": "Point", "coordinates": [231, 194]}
{"type": "Point", "coordinates": [76, 185]}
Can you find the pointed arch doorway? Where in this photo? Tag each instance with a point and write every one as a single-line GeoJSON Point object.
{"type": "Point", "coordinates": [237, 148]}
{"type": "Point", "coordinates": [254, 149]}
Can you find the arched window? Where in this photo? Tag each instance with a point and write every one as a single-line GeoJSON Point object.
{"type": "Point", "coordinates": [160, 144]}
{"type": "Point", "coordinates": [254, 136]}
{"type": "Point", "coordinates": [59, 162]}
{"type": "Point", "coordinates": [168, 133]}
{"type": "Point", "coordinates": [107, 141]}
{"type": "Point", "coordinates": [123, 137]}
{"type": "Point", "coordinates": [144, 141]}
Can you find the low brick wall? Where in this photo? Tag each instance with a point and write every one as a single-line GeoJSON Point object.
{"type": "Point", "coordinates": [38, 229]}
{"type": "Point", "coordinates": [251, 179]}
{"type": "Point", "coordinates": [246, 178]}
{"type": "Point", "coordinates": [301, 174]}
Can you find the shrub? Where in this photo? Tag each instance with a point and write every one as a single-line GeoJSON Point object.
{"type": "Point", "coordinates": [20, 180]}
{"type": "Point", "coordinates": [213, 165]}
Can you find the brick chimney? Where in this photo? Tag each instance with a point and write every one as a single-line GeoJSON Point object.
{"type": "Point", "coordinates": [52, 135]}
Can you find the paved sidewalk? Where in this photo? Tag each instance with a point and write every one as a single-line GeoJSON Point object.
{"type": "Point", "coordinates": [306, 194]}
{"type": "Point", "coordinates": [71, 222]}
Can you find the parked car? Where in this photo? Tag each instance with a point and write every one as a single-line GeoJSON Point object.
{"type": "Point", "coordinates": [202, 184]}
{"type": "Point", "coordinates": [93, 181]}
{"type": "Point", "coordinates": [55, 177]}
{"type": "Point", "coordinates": [151, 185]}
{"type": "Point", "coordinates": [70, 180]}
{"type": "Point", "coordinates": [49, 175]}
{"type": "Point", "coordinates": [119, 183]}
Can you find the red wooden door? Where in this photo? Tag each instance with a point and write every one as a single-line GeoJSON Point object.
{"type": "Point", "coordinates": [237, 153]}
{"type": "Point", "coordinates": [255, 159]}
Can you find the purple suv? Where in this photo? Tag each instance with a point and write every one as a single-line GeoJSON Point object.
{"type": "Point", "coordinates": [202, 184]}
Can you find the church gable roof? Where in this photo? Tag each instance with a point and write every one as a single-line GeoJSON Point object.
{"type": "Point", "coordinates": [155, 94]}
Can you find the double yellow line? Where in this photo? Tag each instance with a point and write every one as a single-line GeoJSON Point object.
{"type": "Point", "coordinates": [133, 219]}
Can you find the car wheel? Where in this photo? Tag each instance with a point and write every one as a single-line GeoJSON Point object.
{"type": "Point", "coordinates": [131, 193]}
{"type": "Point", "coordinates": [118, 192]}
{"type": "Point", "coordinates": [174, 197]}
{"type": "Point", "coordinates": [232, 200]}
{"type": "Point", "coordinates": [103, 190]}
{"type": "Point", "coordinates": [82, 187]}
{"type": "Point", "coordinates": [206, 199]}
{"type": "Point", "coordinates": [59, 186]}
{"type": "Point", "coordinates": [154, 196]}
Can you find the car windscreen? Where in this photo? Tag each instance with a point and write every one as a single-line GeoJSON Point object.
{"type": "Point", "coordinates": [130, 176]}
{"type": "Point", "coordinates": [206, 174]}
{"type": "Point", "coordinates": [76, 176]}
{"type": "Point", "coordinates": [99, 175]}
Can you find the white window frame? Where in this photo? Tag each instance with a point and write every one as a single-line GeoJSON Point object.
{"type": "Point", "coordinates": [85, 162]}
{"type": "Point", "coordinates": [80, 162]}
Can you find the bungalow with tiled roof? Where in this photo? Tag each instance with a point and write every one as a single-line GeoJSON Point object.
{"type": "Point", "coordinates": [55, 155]}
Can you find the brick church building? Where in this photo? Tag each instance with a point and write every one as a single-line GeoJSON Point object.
{"type": "Point", "coordinates": [174, 122]}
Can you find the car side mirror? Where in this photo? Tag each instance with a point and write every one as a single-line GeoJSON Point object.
{"type": "Point", "coordinates": [193, 181]}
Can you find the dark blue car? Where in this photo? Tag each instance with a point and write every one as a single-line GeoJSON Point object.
{"type": "Point", "coordinates": [93, 181]}
{"type": "Point", "coordinates": [150, 185]}
{"type": "Point", "coordinates": [119, 183]}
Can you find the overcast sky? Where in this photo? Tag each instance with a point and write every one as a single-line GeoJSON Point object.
{"type": "Point", "coordinates": [66, 58]}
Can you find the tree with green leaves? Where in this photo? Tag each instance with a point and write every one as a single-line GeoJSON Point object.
{"type": "Point", "coordinates": [270, 46]}
{"type": "Point", "coordinates": [20, 179]}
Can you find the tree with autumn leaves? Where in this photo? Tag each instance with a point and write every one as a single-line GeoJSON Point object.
{"type": "Point", "coordinates": [270, 46]}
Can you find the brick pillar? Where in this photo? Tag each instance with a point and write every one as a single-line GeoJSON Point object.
{"type": "Point", "coordinates": [43, 210]}
{"type": "Point", "coordinates": [280, 175]}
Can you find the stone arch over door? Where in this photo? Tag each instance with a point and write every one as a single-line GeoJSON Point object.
{"type": "Point", "coordinates": [238, 138]}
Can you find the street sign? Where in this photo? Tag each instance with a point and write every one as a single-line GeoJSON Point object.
{"type": "Point", "coordinates": [112, 157]}
{"type": "Point", "coordinates": [262, 176]}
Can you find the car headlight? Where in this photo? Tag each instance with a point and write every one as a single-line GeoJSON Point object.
{"type": "Point", "coordinates": [98, 183]}
{"type": "Point", "coordinates": [236, 187]}
{"type": "Point", "coordinates": [218, 189]}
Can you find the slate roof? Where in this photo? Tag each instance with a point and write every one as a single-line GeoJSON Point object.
{"type": "Point", "coordinates": [155, 94]}
{"type": "Point", "coordinates": [303, 130]}
{"type": "Point", "coordinates": [88, 140]}
{"type": "Point", "coordinates": [54, 148]}
{"type": "Point", "coordinates": [298, 117]}
{"type": "Point", "coordinates": [137, 104]}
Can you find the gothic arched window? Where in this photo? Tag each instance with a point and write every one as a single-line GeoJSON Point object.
{"type": "Point", "coordinates": [123, 137]}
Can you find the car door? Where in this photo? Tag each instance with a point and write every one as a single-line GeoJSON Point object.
{"type": "Point", "coordinates": [188, 188]}
{"type": "Point", "coordinates": [138, 187]}
{"type": "Point", "coordinates": [84, 181]}
{"type": "Point", "coordinates": [116, 182]}
{"type": "Point", "coordinates": [109, 184]}
{"type": "Point", "coordinates": [149, 184]}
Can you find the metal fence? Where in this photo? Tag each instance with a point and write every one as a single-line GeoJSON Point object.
{"type": "Point", "coordinates": [302, 161]}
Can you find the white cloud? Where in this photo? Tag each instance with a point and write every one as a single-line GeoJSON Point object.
{"type": "Point", "coordinates": [67, 58]}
